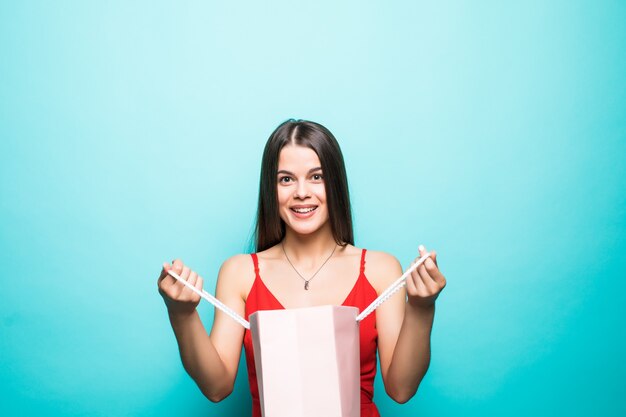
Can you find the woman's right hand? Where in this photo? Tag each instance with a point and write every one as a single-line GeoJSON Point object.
{"type": "Point", "coordinates": [179, 299]}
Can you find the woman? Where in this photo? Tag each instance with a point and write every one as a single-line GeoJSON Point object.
{"type": "Point", "coordinates": [306, 257]}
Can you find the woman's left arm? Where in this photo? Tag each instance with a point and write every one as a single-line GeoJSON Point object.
{"type": "Point", "coordinates": [404, 325]}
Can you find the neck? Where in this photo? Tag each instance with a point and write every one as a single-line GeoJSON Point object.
{"type": "Point", "coordinates": [307, 250]}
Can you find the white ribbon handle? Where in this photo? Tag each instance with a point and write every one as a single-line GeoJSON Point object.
{"type": "Point", "coordinates": [384, 296]}
{"type": "Point", "coordinates": [391, 290]}
{"type": "Point", "coordinates": [211, 299]}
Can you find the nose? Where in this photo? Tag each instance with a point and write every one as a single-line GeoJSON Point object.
{"type": "Point", "coordinates": [302, 190]}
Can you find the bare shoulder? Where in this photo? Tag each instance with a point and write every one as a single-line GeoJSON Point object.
{"type": "Point", "coordinates": [236, 274]}
{"type": "Point", "coordinates": [236, 264]}
{"type": "Point", "coordinates": [382, 269]}
{"type": "Point", "coordinates": [378, 261]}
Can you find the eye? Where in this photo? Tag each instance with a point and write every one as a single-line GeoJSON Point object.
{"type": "Point", "coordinates": [318, 177]}
{"type": "Point", "coordinates": [284, 180]}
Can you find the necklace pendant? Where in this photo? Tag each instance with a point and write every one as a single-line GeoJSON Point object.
{"type": "Point", "coordinates": [306, 285]}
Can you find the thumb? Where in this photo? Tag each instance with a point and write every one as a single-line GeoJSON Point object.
{"type": "Point", "coordinates": [166, 267]}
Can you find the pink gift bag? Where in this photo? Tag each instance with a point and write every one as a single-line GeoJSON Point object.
{"type": "Point", "coordinates": [307, 361]}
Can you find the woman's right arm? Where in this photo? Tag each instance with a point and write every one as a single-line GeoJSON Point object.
{"type": "Point", "coordinates": [211, 361]}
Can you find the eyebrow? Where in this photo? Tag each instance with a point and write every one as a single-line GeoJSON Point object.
{"type": "Point", "coordinates": [283, 171]}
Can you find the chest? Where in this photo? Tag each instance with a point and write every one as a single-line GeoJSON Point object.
{"type": "Point", "coordinates": [293, 288]}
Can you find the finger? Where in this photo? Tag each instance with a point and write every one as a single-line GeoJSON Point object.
{"type": "Point", "coordinates": [429, 283]}
{"type": "Point", "coordinates": [423, 252]}
{"type": "Point", "coordinates": [185, 272]}
{"type": "Point", "coordinates": [434, 272]}
{"type": "Point", "coordinates": [433, 256]}
{"type": "Point", "coordinates": [165, 280]}
{"type": "Point", "coordinates": [166, 267]}
{"type": "Point", "coordinates": [411, 289]}
{"type": "Point", "coordinates": [178, 287]}
{"type": "Point", "coordinates": [431, 264]}
{"type": "Point", "coordinates": [188, 293]}
{"type": "Point", "coordinates": [177, 266]}
{"type": "Point", "coordinates": [199, 287]}
{"type": "Point", "coordinates": [433, 269]}
{"type": "Point", "coordinates": [418, 283]}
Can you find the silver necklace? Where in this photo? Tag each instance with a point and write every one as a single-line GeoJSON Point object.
{"type": "Point", "coordinates": [306, 281]}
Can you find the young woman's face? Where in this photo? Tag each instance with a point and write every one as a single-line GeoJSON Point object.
{"type": "Point", "coordinates": [301, 191]}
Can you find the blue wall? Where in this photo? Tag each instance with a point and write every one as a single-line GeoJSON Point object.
{"type": "Point", "coordinates": [131, 133]}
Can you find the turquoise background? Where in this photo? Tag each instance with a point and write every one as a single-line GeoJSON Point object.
{"type": "Point", "coordinates": [495, 132]}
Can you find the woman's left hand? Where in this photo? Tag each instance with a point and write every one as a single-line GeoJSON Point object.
{"type": "Point", "coordinates": [426, 282]}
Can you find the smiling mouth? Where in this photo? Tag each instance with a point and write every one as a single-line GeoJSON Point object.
{"type": "Point", "coordinates": [303, 210]}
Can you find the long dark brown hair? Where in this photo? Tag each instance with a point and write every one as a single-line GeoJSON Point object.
{"type": "Point", "coordinates": [270, 228]}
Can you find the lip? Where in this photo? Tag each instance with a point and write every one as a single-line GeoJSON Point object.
{"type": "Point", "coordinates": [303, 215]}
{"type": "Point", "coordinates": [303, 206]}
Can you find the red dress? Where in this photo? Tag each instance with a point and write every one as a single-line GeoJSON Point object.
{"type": "Point", "coordinates": [361, 295]}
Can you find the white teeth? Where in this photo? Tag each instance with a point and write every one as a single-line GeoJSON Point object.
{"type": "Point", "coordinates": [306, 210]}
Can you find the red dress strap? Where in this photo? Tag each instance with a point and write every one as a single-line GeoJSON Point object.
{"type": "Point", "coordinates": [363, 261]}
{"type": "Point", "coordinates": [255, 261]}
